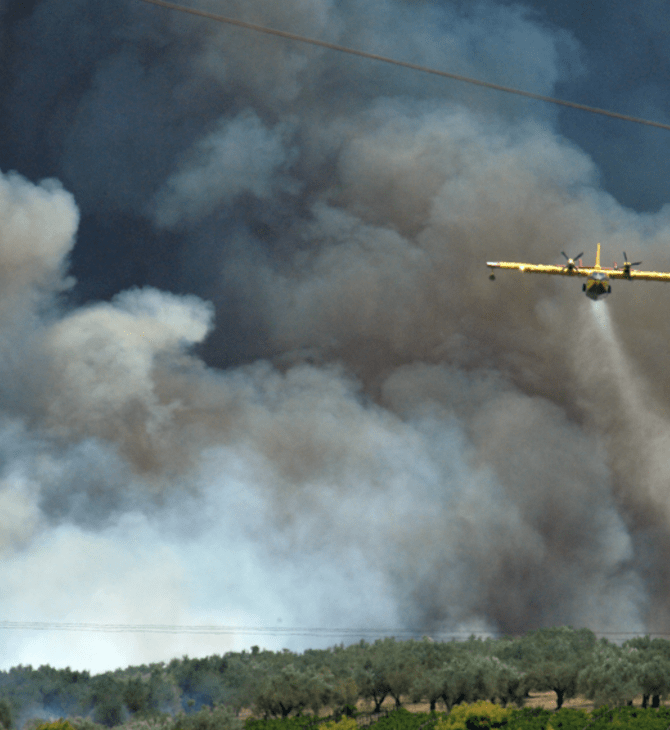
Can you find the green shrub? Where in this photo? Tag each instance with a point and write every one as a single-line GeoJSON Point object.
{"type": "Point", "coordinates": [217, 718]}
{"type": "Point", "coordinates": [156, 721]}
{"type": "Point", "coordinates": [289, 723]}
{"type": "Point", "coordinates": [530, 718]}
{"type": "Point", "coordinates": [84, 723]}
{"type": "Point", "coordinates": [402, 719]}
{"type": "Point", "coordinates": [6, 715]}
{"type": "Point", "coordinates": [630, 717]}
{"type": "Point", "coordinates": [346, 723]}
{"type": "Point", "coordinates": [478, 715]}
{"type": "Point", "coordinates": [568, 719]}
{"type": "Point", "coordinates": [56, 725]}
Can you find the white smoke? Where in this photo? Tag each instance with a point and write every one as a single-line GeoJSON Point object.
{"type": "Point", "coordinates": [421, 448]}
{"type": "Point", "coordinates": [241, 156]}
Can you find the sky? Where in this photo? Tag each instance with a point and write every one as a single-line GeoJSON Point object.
{"type": "Point", "coordinates": [253, 372]}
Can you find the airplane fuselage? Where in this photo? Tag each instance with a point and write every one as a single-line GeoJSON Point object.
{"type": "Point", "coordinates": [597, 285]}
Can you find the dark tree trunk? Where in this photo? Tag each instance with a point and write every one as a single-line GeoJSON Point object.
{"type": "Point", "coordinates": [378, 703]}
{"type": "Point", "coordinates": [560, 696]}
{"type": "Point", "coordinates": [432, 705]}
{"type": "Point", "coordinates": [645, 701]}
{"type": "Point", "coordinates": [656, 701]}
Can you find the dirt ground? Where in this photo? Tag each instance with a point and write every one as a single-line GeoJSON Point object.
{"type": "Point", "coordinates": [547, 700]}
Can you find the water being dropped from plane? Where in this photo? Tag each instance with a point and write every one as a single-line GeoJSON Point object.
{"type": "Point", "coordinates": [625, 411]}
{"type": "Point", "coordinates": [617, 368]}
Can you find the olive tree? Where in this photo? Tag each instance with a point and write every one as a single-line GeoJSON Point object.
{"type": "Point", "coordinates": [554, 657]}
{"type": "Point", "coordinates": [652, 658]}
{"type": "Point", "coordinates": [610, 677]}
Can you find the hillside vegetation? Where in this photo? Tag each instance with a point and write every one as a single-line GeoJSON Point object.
{"type": "Point", "coordinates": [298, 690]}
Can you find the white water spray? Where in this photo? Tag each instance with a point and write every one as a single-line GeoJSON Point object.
{"type": "Point", "coordinates": [622, 406]}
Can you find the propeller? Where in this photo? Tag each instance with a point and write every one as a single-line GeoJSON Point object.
{"type": "Point", "coordinates": [627, 265]}
{"type": "Point", "coordinates": [571, 265]}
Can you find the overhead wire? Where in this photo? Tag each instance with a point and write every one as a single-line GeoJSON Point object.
{"type": "Point", "coordinates": [404, 64]}
{"type": "Point", "coordinates": [222, 629]}
{"type": "Point", "coordinates": [268, 630]}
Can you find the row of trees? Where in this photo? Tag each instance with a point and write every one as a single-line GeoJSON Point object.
{"type": "Point", "coordinates": [561, 660]}
{"type": "Point", "coordinates": [280, 684]}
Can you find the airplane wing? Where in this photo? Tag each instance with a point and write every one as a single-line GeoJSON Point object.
{"type": "Point", "coordinates": [633, 274]}
{"type": "Point", "coordinates": [542, 269]}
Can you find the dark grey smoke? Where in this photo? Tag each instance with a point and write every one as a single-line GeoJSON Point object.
{"type": "Point", "coordinates": [281, 389]}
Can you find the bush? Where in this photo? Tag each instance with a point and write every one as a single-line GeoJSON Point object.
{"type": "Point", "coordinates": [84, 723]}
{"type": "Point", "coordinates": [346, 723]}
{"type": "Point", "coordinates": [530, 718]}
{"type": "Point", "coordinates": [109, 712]}
{"type": "Point", "coordinates": [6, 715]}
{"type": "Point", "coordinates": [630, 717]}
{"type": "Point", "coordinates": [568, 719]}
{"type": "Point", "coordinates": [56, 725]}
{"type": "Point", "coordinates": [478, 715]}
{"type": "Point", "coordinates": [152, 722]}
{"type": "Point", "coordinates": [217, 718]}
{"type": "Point", "coordinates": [306, 722]}
{"type": "Point", "coordinates": [402, 719]}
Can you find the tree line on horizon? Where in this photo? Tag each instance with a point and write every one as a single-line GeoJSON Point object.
{"type": "Point", "coordinates": [284, 684]}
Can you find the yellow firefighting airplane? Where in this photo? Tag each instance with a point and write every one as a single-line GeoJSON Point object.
{"type": "Point", "coordinates": [597, 282]}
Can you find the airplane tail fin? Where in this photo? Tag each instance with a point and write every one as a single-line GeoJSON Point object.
{"type": "Point", "coordinates": [597, 266]}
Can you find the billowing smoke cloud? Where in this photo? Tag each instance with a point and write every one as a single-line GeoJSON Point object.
{"type": "Point", "coordinates": [241, 156]}
{"type": "Point", "coordinates": [326, 415]}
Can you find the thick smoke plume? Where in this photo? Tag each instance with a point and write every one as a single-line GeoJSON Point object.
{"type": "Point", "coordinates": [313, 408]}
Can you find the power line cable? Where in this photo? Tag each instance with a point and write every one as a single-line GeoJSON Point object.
{"type": "Point", "coordinates": [265, 630]}
{"type": "Point", "coordinates": [405, 64]}
{"type": "Point", "coordinates": [219, 629]}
